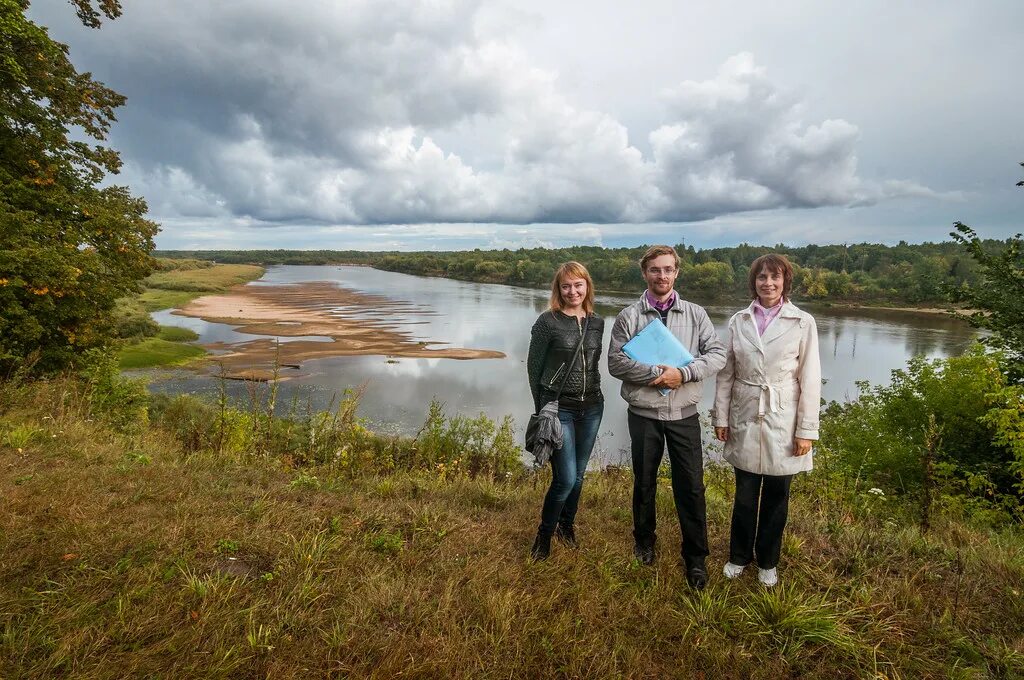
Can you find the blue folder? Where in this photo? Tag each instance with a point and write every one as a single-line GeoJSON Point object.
{"type": "Point", "coordinates": [655, 345]}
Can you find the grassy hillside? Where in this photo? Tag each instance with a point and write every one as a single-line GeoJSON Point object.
{"type": "Point", "coordinates": [130, 547]}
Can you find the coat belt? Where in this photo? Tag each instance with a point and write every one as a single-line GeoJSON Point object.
{"type": "Point", "coordinates": [770, 398]}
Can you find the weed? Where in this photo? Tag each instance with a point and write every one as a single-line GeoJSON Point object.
{"type": "Point", "coordinates": [304, 480]}
{"type": "Point", "coordinates": [385, 542]}
{"type": "Point", "coordinates": [177, 334]}
{"type": "Point", "coordinates": [791, 620]}
{"type": "Point", "coordinates": [21, 436]}
{"type": "Point", "coordinates": [226, 546]}
{"type": "Point", "coordinates": [197, 585]}
{"type": "Point", "coordinates": [259, 637]}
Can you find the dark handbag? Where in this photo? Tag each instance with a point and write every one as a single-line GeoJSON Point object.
{"type": "Point", "coordinates": [533, 424]}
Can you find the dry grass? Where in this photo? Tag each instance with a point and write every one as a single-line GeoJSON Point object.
{"type": "Point", "coordinates": [123, 556]}
{"type": "Point", "coordinates": [204, 280]}
{"type": "Point", "coordinates": [178, 282]}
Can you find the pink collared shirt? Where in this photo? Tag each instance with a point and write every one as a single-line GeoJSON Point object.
{"type": "Point", "coordinates": [661, 306]}
{"type": "Point", "coordinates": [764, 316]}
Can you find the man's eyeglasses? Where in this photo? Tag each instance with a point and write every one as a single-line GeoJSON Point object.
{"type": "Point", "coordinates": [658, 271]}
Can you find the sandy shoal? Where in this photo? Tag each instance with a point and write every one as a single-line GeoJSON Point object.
{"type": "Point", "coordinates": [356, 323]}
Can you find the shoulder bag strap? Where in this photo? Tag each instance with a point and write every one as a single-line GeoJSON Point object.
{"type": "Point", "coordinates": [576, 353]}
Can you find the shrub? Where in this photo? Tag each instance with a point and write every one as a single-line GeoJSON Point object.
{"type": "Point", "coordinates": [476, 446]}
{"type": "Point", "coordinates": [132, 321]}
{"type": "Point", "coordinates": [978, 433]}
{"type": "Point", "coordinates": [453, 446]}
{"type": "Point", "coordinates": [120, 401]}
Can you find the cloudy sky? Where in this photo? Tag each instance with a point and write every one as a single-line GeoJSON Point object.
{"type": "Point", "coordinates": [448, 124]}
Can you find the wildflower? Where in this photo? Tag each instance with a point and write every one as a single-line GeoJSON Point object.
{"type": "Point", "coordinates": [876, 491]}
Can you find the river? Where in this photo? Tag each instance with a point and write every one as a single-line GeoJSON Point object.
{"type": "Point", "coordinates": [855, 344]}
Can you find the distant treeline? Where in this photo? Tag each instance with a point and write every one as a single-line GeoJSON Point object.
{"type": "Point", "coordinates": [863, 272]}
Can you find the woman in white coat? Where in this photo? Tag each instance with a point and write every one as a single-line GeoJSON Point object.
{"type": "Point", "coordinates": [766, 411]}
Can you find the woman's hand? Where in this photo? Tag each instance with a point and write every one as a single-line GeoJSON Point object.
{"type": "Point", "coordinates": [722, 434]}
{"type": "Point", "coordinates": [801, 447]}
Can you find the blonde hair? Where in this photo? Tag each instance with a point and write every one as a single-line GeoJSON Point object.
{"type": "Point", "coordinates": [571, 270]}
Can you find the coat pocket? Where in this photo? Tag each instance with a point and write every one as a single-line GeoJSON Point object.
{"type": "Point", "coordinates": [641, 396]}
{"type": "Point", "coordinates": [554, 378]}
{"type": "Point", "coordinates": [688, 394]}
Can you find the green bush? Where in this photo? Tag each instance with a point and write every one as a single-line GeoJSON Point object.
{"type": "Point", "coordinates": [120, 401]}
{"type": "Point", "coordinates": [882, 438]}
{"type": "Point", "coordinates": [132, 321]}
{"type": "Point", "coordinates": [457, 444]}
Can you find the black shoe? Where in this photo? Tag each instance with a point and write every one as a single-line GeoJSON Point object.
{"type": "Point", "coordinates": [697, 577]}
{"type": "Point", "coordinates": [566, 534]}
{"type": "Point", "coordinates": [644, 553]}
{"type": "Point", "coordinates": [541, 547]}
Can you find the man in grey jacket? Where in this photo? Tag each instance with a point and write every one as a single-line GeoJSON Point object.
{"type": "Point", "coordinates": [656, 419]}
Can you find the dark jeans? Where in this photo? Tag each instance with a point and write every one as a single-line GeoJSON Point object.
{"type": "Point", "coordinates": [648, 439]}
{"type": "Point", "coordinates": [757, 526]}
{"type": "Point", "coordinates": [568, 464]}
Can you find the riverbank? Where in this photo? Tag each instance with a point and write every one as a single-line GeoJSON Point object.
{"type": "Point", "coordinates": [153, 551]}
{"type": "Point", "coordinates": [348, 323]}
{"type": "Point", "coordinates": [178, 282]}
{"type": "Point", "coordinates": [326, 320]}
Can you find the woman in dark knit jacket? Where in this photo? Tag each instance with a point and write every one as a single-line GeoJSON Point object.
{"type": "Point", "coordinates": [580, 407]}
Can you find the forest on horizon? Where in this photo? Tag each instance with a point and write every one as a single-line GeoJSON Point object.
{"type": "Point", "coordinates": [871, 273]}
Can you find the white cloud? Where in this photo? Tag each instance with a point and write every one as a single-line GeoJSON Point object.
{"type": "Point", "coordinates": [738, 143]}
{"type": "Point", "coordinates": [351, 113]}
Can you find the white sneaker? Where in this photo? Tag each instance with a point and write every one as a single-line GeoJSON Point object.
{"type": "Point", "coordinates": [732, 570]}
{"type": "Point", "coordinates": [768, 577]}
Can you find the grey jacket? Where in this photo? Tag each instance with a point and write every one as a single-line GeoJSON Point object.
{"type": "Point", "coordinates": [691, 325]}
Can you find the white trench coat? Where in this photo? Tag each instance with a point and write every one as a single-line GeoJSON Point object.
{"type": "Point", "coordinates": [769, 391]}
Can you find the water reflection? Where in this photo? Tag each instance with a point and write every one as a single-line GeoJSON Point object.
{"type": "Point", "coordinates": [855, 345]}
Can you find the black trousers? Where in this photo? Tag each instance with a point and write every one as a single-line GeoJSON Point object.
{"type": "Point", "coordinates": [758, 518]}
{"type": "Point", "coordinates": [648, 440]}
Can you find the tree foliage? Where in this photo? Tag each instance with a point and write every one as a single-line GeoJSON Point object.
{"type": "Point", "coordinates": [998, 298]}
{"type": "Point", "coordinates": [68, 247]}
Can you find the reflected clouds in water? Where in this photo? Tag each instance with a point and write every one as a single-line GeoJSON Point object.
{"type": "Point", "coordinates": [855, 345]}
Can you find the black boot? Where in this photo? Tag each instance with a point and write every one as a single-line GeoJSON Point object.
{"type": "Point", "coordinates": [567, 534]}
{"type": "Point", "coordinates": [541, 547]}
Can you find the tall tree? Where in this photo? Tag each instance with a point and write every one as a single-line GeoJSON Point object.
{"type": "Point", "coordinates": [68, 247]}
{"type": "Point", "coordinates": [999, 298]}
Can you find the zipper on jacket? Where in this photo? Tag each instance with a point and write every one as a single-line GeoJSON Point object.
{"type": "Point", "coordinates": [583, 355]}
{"type": "Point", "coordinates": [551, 383]}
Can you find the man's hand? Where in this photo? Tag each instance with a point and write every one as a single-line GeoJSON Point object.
{"type": "Point", "coordinates": [801, 447]}
{"type": "Point", "coordinates": [671, 377]}
{"type": "Point", "coordinates": [722, 434]}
